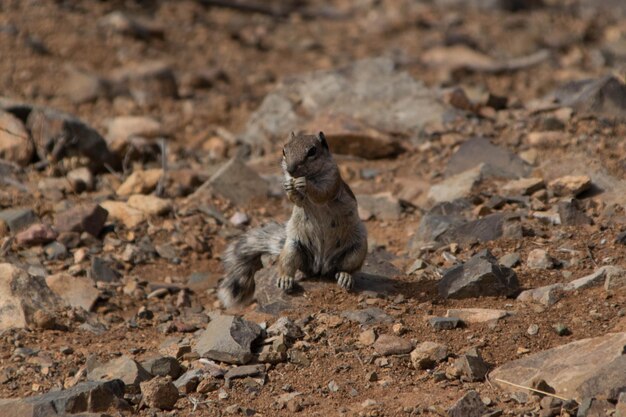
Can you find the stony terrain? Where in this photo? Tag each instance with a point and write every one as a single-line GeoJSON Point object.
{"type": "Point", "coordinates": [484, 142]}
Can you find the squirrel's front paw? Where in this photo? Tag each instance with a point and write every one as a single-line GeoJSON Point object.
{"type": "Point", "coordinates": [285, 283]}
{"type": "Point", "coordinates": [300, 184]}
{"type": "Point", "coordinates": [288, 185]}
{"type": "Point", "coordinates": [345, 280]}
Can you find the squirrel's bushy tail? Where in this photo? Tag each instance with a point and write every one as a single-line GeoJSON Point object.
{"type": "Point", "coordinates": [242, 260]}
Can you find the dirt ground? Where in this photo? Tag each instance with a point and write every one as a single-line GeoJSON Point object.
{"type": "Point", "coordinates": [242, 56]}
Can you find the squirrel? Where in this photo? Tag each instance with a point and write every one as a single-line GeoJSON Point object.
{"type": "Point", "coordinates": [324, 235]}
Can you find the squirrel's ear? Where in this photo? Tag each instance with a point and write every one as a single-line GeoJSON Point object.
{"type": "Point", "coordinates": [322, 139]}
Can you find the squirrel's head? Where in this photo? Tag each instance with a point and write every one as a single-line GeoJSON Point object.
{"type": "Point", "coordinates": [305, 155]}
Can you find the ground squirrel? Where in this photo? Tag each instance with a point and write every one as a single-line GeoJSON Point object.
{"type": "Point", "coordinates": [324, 236]}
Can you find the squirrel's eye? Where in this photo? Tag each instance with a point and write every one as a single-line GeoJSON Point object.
{"type": "Point", "coordinates": [311, 153]}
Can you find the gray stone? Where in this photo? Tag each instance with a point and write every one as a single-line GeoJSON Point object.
{"type": "Point", "coordinates": [244, 371]}
{"type": "Point", "coordinates": [593, 280]}
{"type": "Point", "coordinates": [426, 355]}
{"type": "Point", "coordinates": [284, 326]}
{"type": "Point", "coordinates": [585, 368]}
{"type": "Point", "coordinates": [387, 345]}
{"type": "Point", "coordinates": [510, 260]}
{"type": "Point", "coordinates": [479, 276]}
{"type": "Point", "coordinates": [547, 295]}
{"type": "Point", "coordinates": [159, 392]}
{"type": "Point", "coordinates": [615, 278]}
{"type": "Point", "coordinates": [539, 259]}
{"type": "Point", "coordinates": [485, 229]}
{"type": "Point", "coordinates": [86, 397]}
{"type": "Point", "coordinates": [123, 368]}
{"type": "Point", "coordinates": [75, 291]}
{"type": "Point", "coordinates": [18, 218]}
{"type": "Point", "coordinates": [456, 186]}
{"type": "Point", "coordinates": [162, 366]}
{"type": "Point", "coordinates": [228, 339]}
{"type": "Point", "coordinates": [499, 162]}
{"type": "Point", "coordinates": [605, 97]}
{"type": "Point", "coordinates": [21, 296]}
{"type": "Point", "coordinates": [383, 206]}
{"type": "Point", "coordinates": [437, 222]}
{"type": "Point", "coordinates": [238, 183]}
{"type": "Point", "coordinates": [101, 271]}
{"type": "Point", "coordinates": [87, 217]}
{"type": "Point", "coordinates": [444, 323]}
{"type": "Point", "coordinates": [55, 251]}
{"type": "Point", "coordinates": [188, 382]}
{"type": "Point", "coordinates": [470, 405]}
{"type": "Point", "coordinates": [367, 316]}
{"type": "Point", "coordinates": [571, 214]}
{"type": "Point", "coordinates": [471, 366]}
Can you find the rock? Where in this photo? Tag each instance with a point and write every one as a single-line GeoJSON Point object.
{"type": "Point", "coordinates": [615, 278]}
{"type": "Point", "coordinates": [86, 397]}
{"type": "Point", "coordinates": [239, 219]}
{"type": "Point", "coordinates": [367, 337]}
{"type": "Point", "coordinates": [284, 326]}
{"type": "Point", "coordinates": [18, 218]}
{"type": "Point", "coordinates": [477, 315]}
{"type": "Point", "coordinates": [162, 366]}
{"type": "Point", "coordinates": [83, 87]}
{"type": "Point", "coordinates": [45, 320]}
{"type": "Point", "coordinates": [437, 222]}
{"type": "Point", "coordinates": [485, 229]}
{"type": "Point", "coordinates": [123, 129]}
{"type": "Point", "coordinates": [15, 143]}
{"type": "Point", "coordinates": [593, 280]}
{"type": "Point", "coordinates": [370, 91]}
{"type": "Point", "coordinates": [582, 369]}
{"type": "Point", "coordinates": [122, 212]}
{"type": "Point", "coordinates": [605, 97]}
{"type": "Point", "coordinates": [570, 185]}
{"type": "Point", "coordinates": [188, 382]}
{"type": "Point", "coordinates": [123, 368]}
{"type": "Point", "coordinates": [367, 316]}
{"type": "Point", "coordinates": [349, 136]}
{"type": "Point", "coordinates": [480, 276]}
{"type": "Point", "coordinates": [140, 182]}
{"type": "Point", "coordinates": [55, 250]}
{"type": "Point", "coordinates": [471, 366]}
{"type": "Point", "coordinates": [523, 186]}
{"type": "Point", "coordinates": [50, 129]}
{"type": "Point", "coordinates": [383, 205]}
{"type": "Point", "coordinates": [444, 323]}
{"type": "Point", "coordinates": [21, 296]}
{"type": "Point", "coordinates": [426, 355]}
{"type": "Point", "coordinates": [37, 234]}
{"type": "Point", "coordinates": [228, 339]}
{"type": "Point", "coordinates": [547, 295]}
{"type": "Point", "coordinates": [470, 405]}
{"type": "Point", "coordinates": [149, 204]}
{"type": "Point", "coordinates": [387, 345]}
{"type": "Point", "coordinates": [561, 329]}
{"type": "Point", "coordinates": [510, 260]}
{"type": "Point", "coordinates": [456, 186]}
{"type": "Point", "coordinates": [539, 259]}
{"type": "Point", "coordinates": [120, 23]}
{"type": "Point", "coordinates": [498, 161]}
{"type": "Point", "coordinates": [238, 183]}
{"type": "Point", "coordinates": [101, 271]}
{"type": "Point", "coordinates": [571, 214]}
{"type": "Point", "coordinates": [75, 291]}
{"type": "Point", "coordinates": [81, 179]}
{"type": "Point", "coordinates": [159, 392]}
{"type": "Point", "coordinates": [86, 217]}
{"type": "Point", "coordinates": [147, 82]}
{"type": "Point", "coordinates": [244, 371]}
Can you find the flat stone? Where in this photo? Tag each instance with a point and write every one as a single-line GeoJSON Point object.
{"type": "Point", "coordinates": [244, 371]}
{"type": "Point", "coordinates": [75, 291]}
{"type": "Point", "coordinates": [488, 228]}
{"type": "Point", "coordinates": [477, 315]}
{"type": "Point", "coordinates": [539, 259]}
{"type": "Point", "coordinates": [15, 143]}
{"type": "Point", "coordinates": [470, 405]}
{"type": "Point", "coordinates": [615, 278]}
{"type": "Point", "coordinates": [101, 271]}
{"type": "Point", "coordinates": [480, 276]}
{"type": "Point", "coordinates": [571, 214]}
{"type": "Point", "coordinates": [123, 368]}
{"type": "Point", "coordinates": [18, 218]}
{"type": "Point", "coordinates": [383, 205]}
{"type": "Point", "coordinates": [122, 212]}
{"type": "Point", "coordinates": [228, 339]}
{"type": "Point", "coordinates": [582, 369]}
{"type": "Point", "coordinates": [387, 345]}
{"type": "Point", "coordinates": [426, 355]}
{"type": "Point", "coordinates": [159, 392]}
{"type": "Point", "coordinates": [456, 186]}
{"type": "Point", "coordinates": [499, 161]}
{"type": "Point", "coordinates": [605, 96]}
{"type": "Point", "coordinates": [547, 295]}
{"type": "Point", "coordinates": [510, 260]}
{"type": "Point", "coordinates": [22, 296]}
{"type": "Point", "coordinates": [36, 234]}
{"type": "Point", "coordinates": [597, 278]}
{"type": "Point", "coordinates": [523, 186]}
{"type": "Point", "coordinates": [238, 183]}
{"type": "Point", "coordinates": [140, 182]}
{"type": "Point", "coordinates": [150, 204]}
{"type": "Point", "coordinates": [368, 316]}
{"type": "Point", "coordinates": [86, 397]}
{"type": "Point", "coordinates": [162, 366]}
{"type": "Point", "coordinates": [188, 382]}
{"type": "Point", "coordinates": [86, 217]}
{"type": "Point", "coordinates": [444, 323]}
{"type": "Point", "coordinates": [570, 185]}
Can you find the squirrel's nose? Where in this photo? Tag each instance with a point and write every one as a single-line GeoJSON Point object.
{"type": "Point", "coordinates": [292, 168]}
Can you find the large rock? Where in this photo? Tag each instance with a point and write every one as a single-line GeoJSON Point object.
{"type": "Point", "coordinates": [87, 217]}
{"type": "Point", "coordinates": [21, 296]}
{"type": "Point", "coordinates": [582, 369]}
{"type": "Point", "coordinates": [86, 397]}
{"type": "Point", "coordinates": [18, 218]}
{"type": "Point", "coordinates": [480, 276]}
{"type": "Point", "coordinates": [238, 182]}
{"type": "Point", "coordinates": [15, 144]}
{"type": "Point", "coordinates": [59, 135]}
{"type": "Point", "coordinates": [228, 339]}
{"type": "Point", "coordinates": [498, 162]}
{"type": "Point", "coordinates": [123, 368]}
{"type": "Point", "coordinates": [470, 405]}
{"type": "Point", "coordinates": [75, 291]}
{"type": "Point", "coordinates": [605, 97]}
{"type": "Point", "coordinates": [36, 234]}
{"type": "Point", "coordinates": [383, 206]}
{"type": "Point", "coordinates": [371, 91]}
{"type": "Point", "coordinates": [123, 129]}
{"type": "Point", "coordinates": [123, 213]}
{"type": "Point", "coordinates": [160, 393]}
{"type": "Point", "coordinates": [140, 182]}
{"type": "Point", "coordinates": [456, 186]}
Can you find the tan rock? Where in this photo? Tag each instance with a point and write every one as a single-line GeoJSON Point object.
{"type": "Point", "coordinates": [149, 204]}
{"type": "Point", "coordinates": [140, 182]}
{"type": "Point", "coordinates": [570, 185]}
{"type": "Point", "coordinates": [123, 213]}
{"type": "Point", "coordinates": [524, 186]}
{"type": "Point", "coordinates": [123, 128]}
{"type": "Point", "coordinates": [15, 144]}
{"type": "Point", "coordinates": [477, 315]}
{"type": "Point", "coordinates": [367, 337]}
{"type": "Point", "coordinates": [75, 291]}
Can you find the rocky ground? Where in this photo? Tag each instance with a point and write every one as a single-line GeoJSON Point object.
{"type": "Point", "coordinates": [484, 142]}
